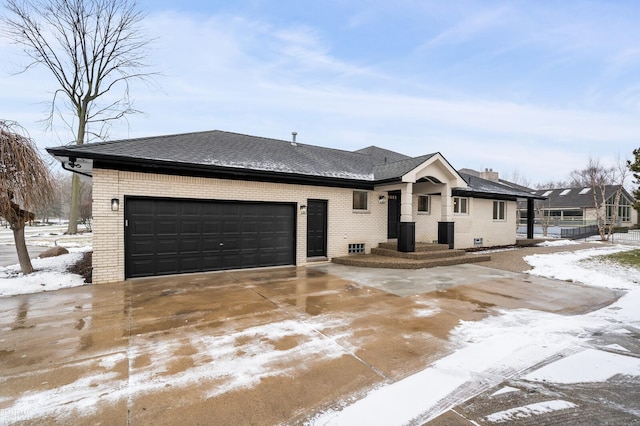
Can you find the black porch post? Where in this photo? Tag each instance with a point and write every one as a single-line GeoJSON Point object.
{"type": "Point", "coordinates": [531, 216]}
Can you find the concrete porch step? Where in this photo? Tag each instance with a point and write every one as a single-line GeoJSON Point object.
{"type": "Point", "coordinates": [391, 245]}
{"type": "Point", "coordinates": [377, 261]}
{"type": "Point", "coordinates": [419, 255]}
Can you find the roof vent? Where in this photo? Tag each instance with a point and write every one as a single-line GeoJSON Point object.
{"type": "Point", "coordinates": [293, 138]}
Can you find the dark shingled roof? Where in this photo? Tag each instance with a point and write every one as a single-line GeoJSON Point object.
{"type": "Point", "coordinates": [479, 186]}
{"type": "Point", "coordinates": [232, 150]}
{"type": "Point", "coordinates": [387, 171]}
{"type": "Point", "coordinates": [576, 197]}
{"type": "Point", "coordinates": [252, 157]}
{"type": "Point", "coordinates": [381, 155]}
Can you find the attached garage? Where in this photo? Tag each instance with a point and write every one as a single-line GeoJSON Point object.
{"type": "Point", "coordinates": [173, 236]}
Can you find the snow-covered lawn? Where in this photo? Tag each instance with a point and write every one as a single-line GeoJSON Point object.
{"type": "Point", "coordinates": [49, 236]}
{"type": "Point", "coordinates": [50, 273]}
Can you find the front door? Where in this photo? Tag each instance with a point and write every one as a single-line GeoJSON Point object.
{"type": "Point", "coordinates": [316, 228]}
{"type": "Point", "coordinates": [393, 217]}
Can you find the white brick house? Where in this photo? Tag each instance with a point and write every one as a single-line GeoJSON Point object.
{"type": "Point", "coordinates": [218, 200]}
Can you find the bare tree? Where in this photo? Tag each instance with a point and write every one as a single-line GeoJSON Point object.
{"type": "Point", "coordinates": [25, 183]}
{"type": "Point", "coordinates": [93, 48]}
{"type": "Point", "coordinates": [543, 212]}
{"type": "Point", "coordinates": [552, 184]}
{"type": "Point", "coordinates": [598, 177]}
{"type": "Point", "coordinates": [634, 168]}
{"type": "Point", "coordinates": [519, 179]}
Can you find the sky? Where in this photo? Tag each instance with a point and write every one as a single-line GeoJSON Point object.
{"type": "Point", "coordinates": [527, 88]}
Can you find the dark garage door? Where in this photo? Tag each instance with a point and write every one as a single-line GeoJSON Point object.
{"type": "Point", "coordinates": [170, 236]}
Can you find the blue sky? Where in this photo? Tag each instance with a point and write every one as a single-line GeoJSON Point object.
{"type": "Point", "coordinates": [533, 87]}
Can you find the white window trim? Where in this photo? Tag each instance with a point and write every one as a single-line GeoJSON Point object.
{"type": "Point", "coordinates": [504, 211]}
{"type": "Point", "coordinates": [366, 209]}
{"type": "Point", "coordinates": [424, 212]}
{"type": "Point", "coordinates": [467, 203]}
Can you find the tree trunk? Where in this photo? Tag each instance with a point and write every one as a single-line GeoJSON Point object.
{"type": "Point", "coordinates": [74, 208]}
{"type": "Point", "coordinates": [21, 248]}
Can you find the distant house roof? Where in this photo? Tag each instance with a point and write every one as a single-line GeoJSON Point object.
{"type": "Point", "coordinates": [580, 197]}
{"type": "Point", "coordinates": [231, 155]}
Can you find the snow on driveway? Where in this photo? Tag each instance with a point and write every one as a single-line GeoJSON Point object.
{"type": "Point", "coordinates": [505, 345]}
{"type": "Point", "coordinates": [502, 346]}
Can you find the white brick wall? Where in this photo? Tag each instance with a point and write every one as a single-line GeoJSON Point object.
{"type": "Point", "coordinates": [479, 223]}
{"type": "Point", "coordinates": [344, 225]}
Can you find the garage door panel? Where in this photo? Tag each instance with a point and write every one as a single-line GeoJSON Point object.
{"type": "Point", "coordinates": [190, 264]}
{"type": "Point", "coordinates": [166, 265]}
{"type": "Point", "coordinates": [144, 227]}
{"type": "Point", "coordinates": [166, 227]}
{"type": "Point", "coordinates": [211, 227]}
{"type": "Point", "coordinates": [190, 227]}
{"type": "Point", "coordinates": [191, 245]}
{"type": "Point", "coordinates": [166, 208]}
{"type": "Point", "coordinates": [142, 247]}
{"type": "Point", "coordinates": [252, 235]}
{"type": "Point", "coordinates": [166, 246]}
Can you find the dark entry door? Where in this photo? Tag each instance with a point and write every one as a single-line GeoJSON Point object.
{"type": "Point", "coordinates": [393, 217]}
{"type": "Point", "coordinates": [316, 228]}
{"type": "Point", "coordinates": [174, 236]}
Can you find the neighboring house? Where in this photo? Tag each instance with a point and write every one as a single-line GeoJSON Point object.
{"type": "Point", "coordinates": [576, 206]}
{"type": "Point", "coordinates": [218, 200]}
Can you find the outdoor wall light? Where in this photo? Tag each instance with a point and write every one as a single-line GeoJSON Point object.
{"type": "Point", "coordinates": [115, 204]}
{"type": "Point", "coordinates": [382, 199]}
{"type": "Point", "coordinates": [303, 209]}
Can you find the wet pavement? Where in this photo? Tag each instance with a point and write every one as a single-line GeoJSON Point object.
{"type": "Point", "coordinates": [270, 346]}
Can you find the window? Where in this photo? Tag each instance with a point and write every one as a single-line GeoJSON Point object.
{"type": "Point", "coordinates": [566, 191]}
{"type": "Point", "coordinates": [460, 205]}
{"type": "Point", "coordinates": [359, 200]}
{"type": "Point", "coordinates": [424, 203]}
{"type": "Point", "coordinates": [624, 209]}
{"type": "Point", "coordinates": [356, 248]}
{"type": "Point", "coordinates": [546, 194]}
{"type": "Point", "coordinates": [499, 209]}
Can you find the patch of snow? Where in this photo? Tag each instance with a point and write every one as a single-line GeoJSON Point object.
{"type": "Point", "coordinates": [530, 410]}
{"type": "Point", "coordinates": [50, 274]}
{"type": "Point", "coordinates": [617, 347]}
{"type": "Point", "coordinates": [422, 313]}
{"type": "Point", "coordinates": [493, 251]}
{"type": "Point", "coordinates": [590, 365]}
{"type": "Point", "coordinates": [500, 346]}
{"type": "Point", "coordinates": [567, 266]}
{"type": "Point", "coordinates": [219, 364]}
{"type": "Point", "coordinates": [506, 389]}
{"type": "Point", "coordinates": [285, 168]}
{"type": "Point", "coordinates": [557, 243]}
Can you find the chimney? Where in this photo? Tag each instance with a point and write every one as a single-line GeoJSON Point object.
{"type": "Point", "coordinates": [293, 138]}
{"type": "Point", "coordinates": [489, 174]}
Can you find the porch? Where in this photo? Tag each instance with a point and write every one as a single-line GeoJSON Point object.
{"type": "Point", "coordinates": [426, 255]}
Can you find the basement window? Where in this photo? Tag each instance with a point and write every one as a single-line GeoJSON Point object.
{"type": "Point", "coordinates": [356, 248]}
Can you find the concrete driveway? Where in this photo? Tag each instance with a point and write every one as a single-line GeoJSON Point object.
{"type": "Point", "coordinates": [270, 346]}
